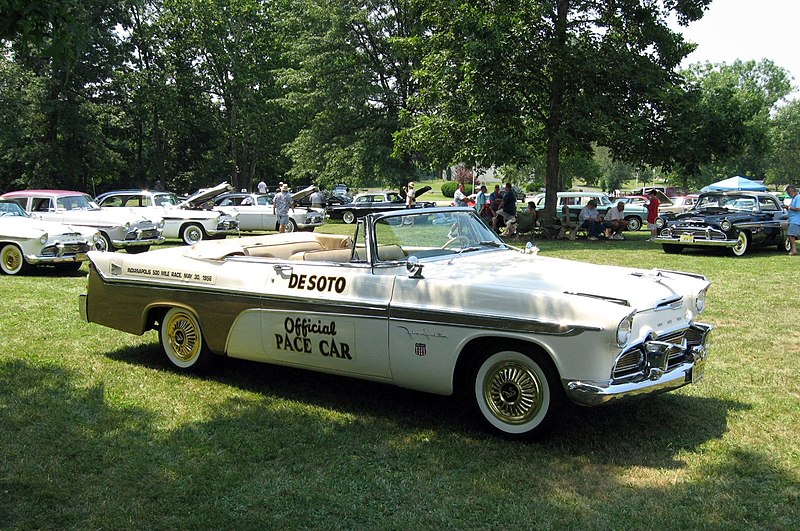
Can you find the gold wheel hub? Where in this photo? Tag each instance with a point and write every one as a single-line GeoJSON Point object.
{"type": "Point", "coordinates": [183, 337]}
{"type": "Point", "coordinates": [513, 392]}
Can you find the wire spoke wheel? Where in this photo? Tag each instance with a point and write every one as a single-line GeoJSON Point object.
{"type": "Point", "coordinates": [517, 394]}
{"type": "Point", "coordinates": [11, 260]}
{"type": "Point", "coordinates": [182, 340]}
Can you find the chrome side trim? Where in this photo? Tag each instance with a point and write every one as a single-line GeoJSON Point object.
{"type": "Point", "coordinates": [487, 322]}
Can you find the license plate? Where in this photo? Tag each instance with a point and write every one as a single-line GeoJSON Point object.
{"type": "Point", "coordinates": [687, 238]}
{"type": "Point", "coordinates": [698, 371]}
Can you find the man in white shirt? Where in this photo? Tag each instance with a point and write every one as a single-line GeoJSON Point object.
{"type": "Point", "coordinates": [262, 187]}
{"type": "Point", "coordinates": [615, 221]}
{"type": "Point", "coordinates": [590, 219]}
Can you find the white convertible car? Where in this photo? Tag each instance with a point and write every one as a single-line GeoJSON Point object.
{"type": "Point", "coordinates": [427, 299]}
{"type": "Point", "coordinates": [26, 242]}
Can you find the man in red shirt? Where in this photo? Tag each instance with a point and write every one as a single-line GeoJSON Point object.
{"type": "Point", "coordinates": [652, 212]}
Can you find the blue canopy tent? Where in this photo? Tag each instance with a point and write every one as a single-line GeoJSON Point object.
{"type": "Point", "coordinates": [735, 183]}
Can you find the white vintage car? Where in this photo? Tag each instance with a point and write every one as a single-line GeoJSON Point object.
{"type": "Point", "coordinates": [26, 242]}
{"type": "Point", "coordinates": [180, 220]}
{"type": "Point", "coordinates": [119, 230]}
{"type": "Point", "coordinates": [391, 304]}
{"type": "Point", "coordinates": [257, 213]}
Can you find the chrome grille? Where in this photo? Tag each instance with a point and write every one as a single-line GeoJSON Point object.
{"type": "Point", "coordinates": [148, 234]}
{"type": "Point", "coordinates": [629, 363]}
{"type": "Point", "coordinates": [69, 249]}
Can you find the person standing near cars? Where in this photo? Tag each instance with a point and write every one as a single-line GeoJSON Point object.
{"type": "Point", "coordinates": [508, 207]}
{"type": "Point", "coordinates": [411, 196]}
{"type": "Point", "coordinates": [262, 187]}
{"type": "Point", "coordinates": [794, 218]}
{"type": "Point", "coordinates": [652, 212]}
{"type": "Point", "coordinates": [460, 196]}
{"type": "Point", "coordinates": [281, 205]}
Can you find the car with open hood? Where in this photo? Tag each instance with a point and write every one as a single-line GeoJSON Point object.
{"type": "Point", "coordinates": [256, 213]}
{"type": "Point", "coordinates": [388, 303]}
{"type": "Point", "coordinates": [737, 221]}
{"type": "Point", "coordinates": [123, 229]}
{"type": "Point", "coordinates": [374, 202]}
{"type": "Point", "coordinates": [182, 219]}
{"type": "Point", "coordinates": [26, 242]}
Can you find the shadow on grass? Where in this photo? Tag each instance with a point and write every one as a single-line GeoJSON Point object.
{"type": "Point", "coordinates": [673, 422]}
{"type": "Point", "coordinates": [367, 456]}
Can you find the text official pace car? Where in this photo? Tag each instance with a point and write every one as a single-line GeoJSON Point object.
{"type": "Point", "coordinates": [390, 304]}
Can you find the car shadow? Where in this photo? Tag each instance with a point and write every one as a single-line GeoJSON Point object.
{"type": "Point", "coordinates": [675, 422]}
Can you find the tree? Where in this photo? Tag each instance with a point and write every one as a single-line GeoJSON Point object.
{"type": "Point", "coordinates": [351, 77]}
{"type": "Point", "coordinates": [784, 135]}
{"type": "Point", "coordinates": [501, 81]}
{"type": "Point", "coordinates": [733, 119]}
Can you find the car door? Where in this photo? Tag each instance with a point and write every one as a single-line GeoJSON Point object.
{"type": "Point", "coordinates": [325, 316]}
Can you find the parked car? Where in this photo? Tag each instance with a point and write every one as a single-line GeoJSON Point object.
{"type": "Point", "coordinates": [737, 221]}
{"type": "Point", "coordinates": [381, 305]}
{"type": "Point", "coordinates": [122, 229]}
{"type": "Point", "coordinates": [27, 242]}
{"type": "Point", "coordinates": [635, 215]}
{"type": "Point", "coordinates": [373, 202]}
{"type": "Point", "coordinates": [257, 213]}
{"type": "Point", "coordinates": [180, 221]}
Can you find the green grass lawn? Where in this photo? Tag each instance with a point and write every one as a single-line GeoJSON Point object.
{"type": "Point", "coordinates": [98, 432]}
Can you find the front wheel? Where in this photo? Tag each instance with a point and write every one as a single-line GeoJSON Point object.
{"type": "Point", "coordinates": [634, 223]}
{"type": "Point", "coordinates": [182, 340]}
{"type": "Point", "coordinates": [104, 243]}
{"type": "Point", "coordinates": [785, 245]}
{"type": "Point", "coordinates": [192, 233]}
{"type": "Point", "coordinates": [742, 244]}
{"type": "Point", "coordinates": [517, 394]}
{"type": "Point", "coordinates": [349, 217]}
{"type": "Point", "coordinates": [12, 262]}
{"type": "Point", "coordinates": [291, 226]}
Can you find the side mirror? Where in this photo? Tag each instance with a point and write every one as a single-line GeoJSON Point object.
{"type": "Point", "coordinates": [414, 267]}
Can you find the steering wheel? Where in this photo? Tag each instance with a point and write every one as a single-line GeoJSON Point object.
{"type": "Point", "coordinates": [461, 240]}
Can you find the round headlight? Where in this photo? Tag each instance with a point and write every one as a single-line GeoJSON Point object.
{"type": "Point", "coordinates": [127, 225]}
{"type": "Point", "coordinates": [624, 331]}
{"type": "Point", "coordinates": [96, 237]}
{"type": "Point", "coordinates": [660, 223]}
{"type": "Point", "coordinates": [160, 224]}
{"type": "Point", "coordinates": [44, 237]}
{"type": "Point", "coordinates": [725, 225]}
{"type": "Point", "coordinates": [700, 301]}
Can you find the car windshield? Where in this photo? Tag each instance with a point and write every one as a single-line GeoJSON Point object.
{"type": "Point", "coordinates": [728, 202]}
{"type": "Point", "coordinates": [10, 208]}
{"type": "Point", "coordinates": [76, 202]}
{"type": "Point", "coordinates": [434, 234]}
{"type": "Point", "coordinates": [165, 199]}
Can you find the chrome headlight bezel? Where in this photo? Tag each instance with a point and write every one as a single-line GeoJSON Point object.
{"type": "Point", "coordinates": [43, 238]}
{"type": "Point", "coordinates": [700, 301]}
{"type": "Point", "coordinates": [725, 225]}
{"type": "Point", "coordinates": [624, 329]}
{"type": "Point", "coordinates": [660, 223]}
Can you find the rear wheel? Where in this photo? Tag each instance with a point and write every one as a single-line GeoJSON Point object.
{"type": "Point", "coordinates": [672, 249]}
{"type": "Point", "coordinates": [12, 262]}
{"type": "Point", "coordinates": [742, 244]}
{"type": "Point", "coordinates": [192, 233]}
{"type": "Point", "coordinates": [517, 394]}
{"type": "Point", "coordinates": [634, 223]}
{"type": "Point", "coordinates": [182, 341]}
{"type": "Point", "coordinates": [348, 217]}
{"type": "Point", "coordinates": [291, 226]}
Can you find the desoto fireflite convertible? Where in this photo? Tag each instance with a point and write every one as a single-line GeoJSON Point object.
{"type": "Point", "coordinates": [391, 304]}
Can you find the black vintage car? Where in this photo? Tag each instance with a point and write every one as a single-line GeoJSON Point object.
{"type": "Point", "coordinates": [736, 220]}
{"type": "Point", "coordinates": [372, 202]}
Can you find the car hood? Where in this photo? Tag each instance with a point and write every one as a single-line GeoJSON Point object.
{"type": "Point", "coordinates": [498, 278]}
{"type": "Point", "coordinates": [21, 227]}
{"type": "Point", "coordinates": [305, 192]}
{"type": "Point", "coordinates": [710, 216]}
{"type": "Point", "coordinates": [200, 197]}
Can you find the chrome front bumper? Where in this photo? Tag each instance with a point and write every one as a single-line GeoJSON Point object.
{"type": "Point", "coordinates": [657, 376]}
